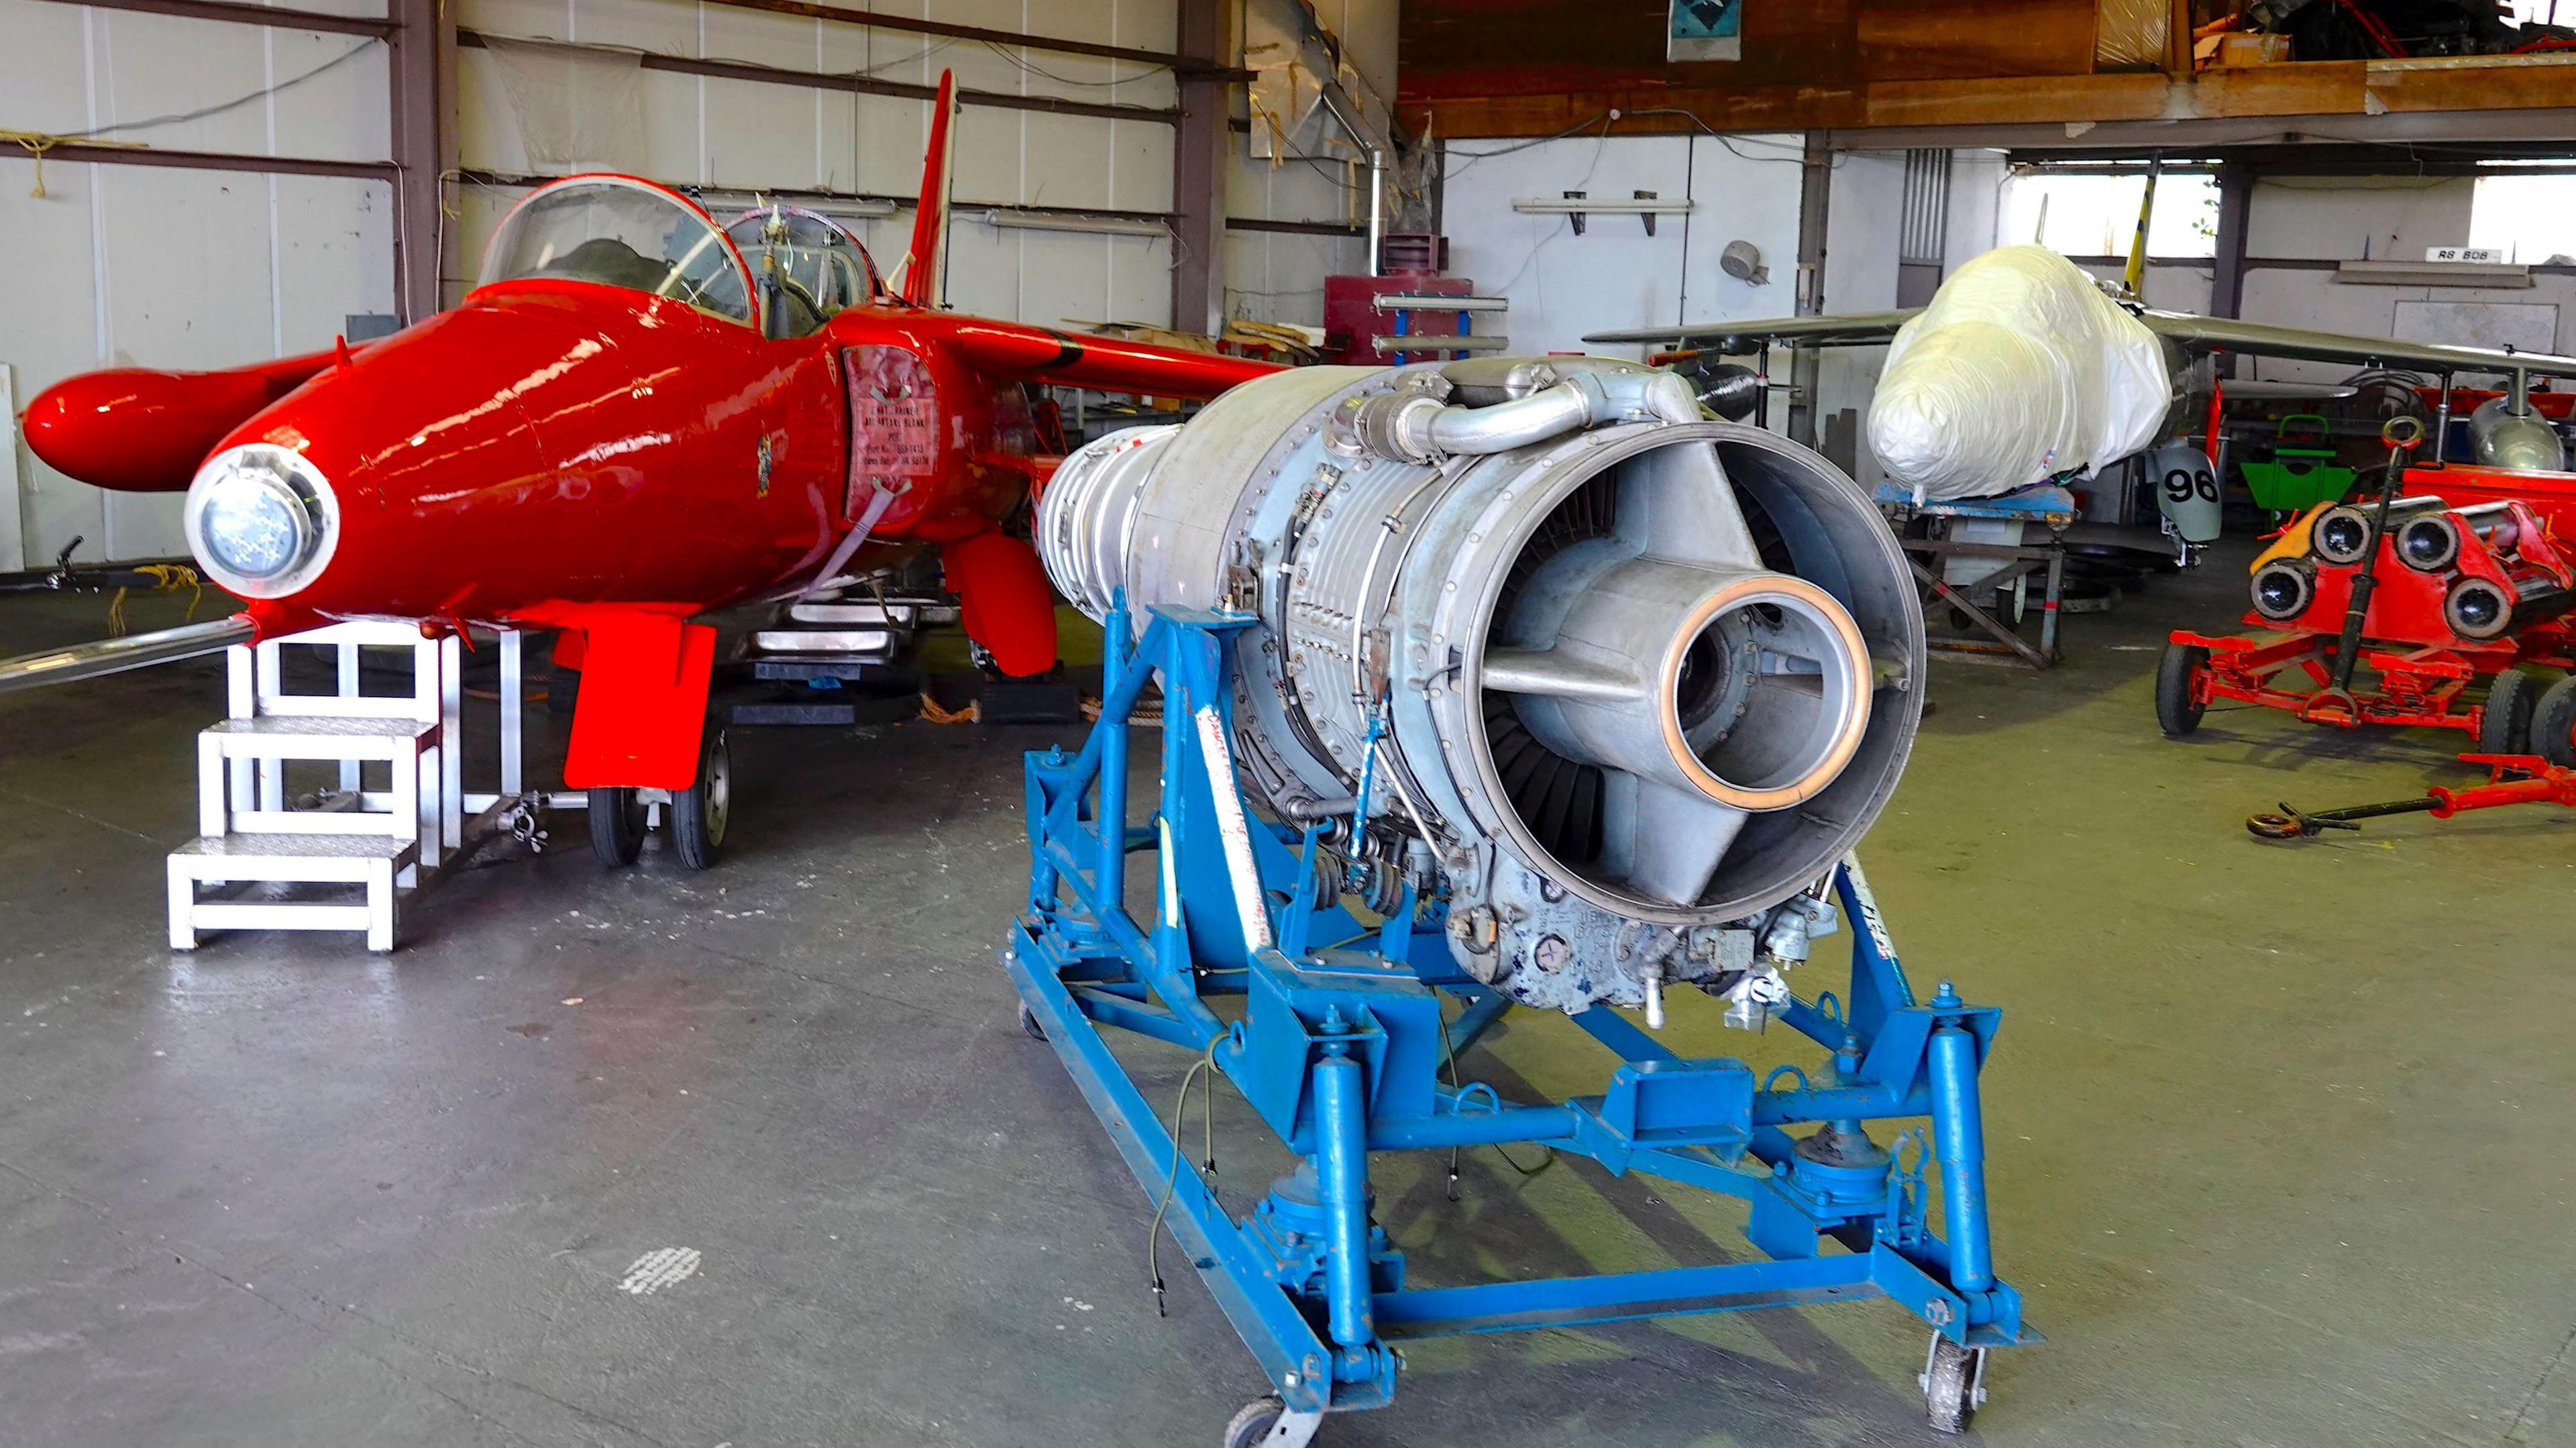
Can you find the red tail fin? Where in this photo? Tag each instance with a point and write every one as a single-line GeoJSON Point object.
{"type": "Point", "coordinates": [919, 282]}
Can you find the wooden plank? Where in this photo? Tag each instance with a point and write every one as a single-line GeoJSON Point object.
{"type": "Point", "coordinates": [1934, 39]}
{"type": "Point", "coordinates": [2051, 99]}
{"type": "Point", "coordinates": [1491, 48]}
{"type": "Point", "coordinates": [2480, 83]}
{"type": "Point", "coordinates": [2130, 96]}
{"type": "Point", "coordinates": [2299, 88]}
{"type": "Point", "coordinates": [1541, 47]}
{"type": "Point", "coordinates": [2307, 88]}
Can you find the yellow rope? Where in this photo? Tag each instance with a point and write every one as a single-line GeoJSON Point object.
{"type": "Point", "coordinates": [37, 143]}
{"type": "Point", "coordinates": [166, 578]}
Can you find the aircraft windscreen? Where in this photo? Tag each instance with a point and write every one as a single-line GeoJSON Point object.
{"type": "Point", "coordinates": [805, 267]}
{"type": "Point", "coordinates": [619, 233]}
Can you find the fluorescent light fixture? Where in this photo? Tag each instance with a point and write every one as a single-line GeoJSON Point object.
{"type": "Point", "coordinates": [1600, 206]}
{"type": "Point", "coordinates": [1427, 342]}
{"type": "Point", "coordinates": [1057, 221]}
{"type": "Point", "coordinates": [2433, 274]}
{"type": "Point", "coordinates": [871, 208]}
{"type": "Point", "coordinates": [1421, 302]}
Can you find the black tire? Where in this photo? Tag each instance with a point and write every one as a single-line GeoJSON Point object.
{"type": "Point", "coordinates": [1949, 1387]}
{"type": "Point", "coordinates": [1029, 1023]}
{"type": "Point", "coordinates": [1253, 1422]}
{"type": "Point", "coordinates": [2177, 710]}
{"type": "Point", "coordinates": [616, 826]}
{"type": "Point", "coordinates": [563, 690]}
{"type": "Point", "coordinates": [2505, 725]}
{"type": "Point", "coordinates": [700, 812]}
{"type": "Point", "coordinates": [2553, 723]}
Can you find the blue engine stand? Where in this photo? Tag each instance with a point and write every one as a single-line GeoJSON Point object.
{"type": "Point", "coordinates": [1340, 1050]}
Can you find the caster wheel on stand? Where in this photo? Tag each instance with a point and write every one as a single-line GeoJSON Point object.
{"type": "Point", "coordinates": [1267, 1423]}
{"type": "Point", "coordinates": [1954, 1384]}
{"type": "Point", "coordinates": [1029, 1023]}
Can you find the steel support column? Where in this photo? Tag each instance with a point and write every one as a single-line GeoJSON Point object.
{"type": "Point", "coordinates": [2227, 269]}
{"type": "Point", "coordinates": [1815, 192]}
{"type": "Point", "coordinates": [420, 72]}
{"type": "Point", "coordinates": [1198, 175]}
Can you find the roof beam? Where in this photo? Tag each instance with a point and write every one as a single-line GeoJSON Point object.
{"type": "Point", "coordinates": [83, 154]}
{"type": "Point", "coordinates": [276, 17]}
{"type": "Point", "coordinates": [860, 84]}
{"type": "Point", "coordinates": [945, 30]}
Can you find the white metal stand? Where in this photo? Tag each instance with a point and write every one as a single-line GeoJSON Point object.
{"type": "Point", "coordinates": [388, 841]}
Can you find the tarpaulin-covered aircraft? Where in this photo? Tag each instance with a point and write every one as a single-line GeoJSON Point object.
{"type": "Point", "coordinates": [2023, 369]}
{"type": "Point", "coordinates": [636, 418]}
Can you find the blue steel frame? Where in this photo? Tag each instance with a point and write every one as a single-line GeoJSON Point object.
{"type": "Point", "coordinates": [1340, 1050]}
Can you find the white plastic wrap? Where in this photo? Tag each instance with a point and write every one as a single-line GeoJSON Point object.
{"type": "Point", "coordinates": [2020, 369]}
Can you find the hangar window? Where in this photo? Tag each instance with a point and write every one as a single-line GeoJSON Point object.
{"type": "Point", "coordinates": [2094, 214]}
{"type": "Point", "coordinates": [2529, 217]}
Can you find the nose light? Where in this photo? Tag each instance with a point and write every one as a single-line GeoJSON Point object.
{"type": "Point", "coordinates": [262, 520]}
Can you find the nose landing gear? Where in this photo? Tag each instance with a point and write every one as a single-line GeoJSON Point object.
{"type": "Point", "coordinates": [696, 816]}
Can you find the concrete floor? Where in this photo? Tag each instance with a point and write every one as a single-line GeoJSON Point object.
{"type": "Point", "coordinates": [2281, 1150]}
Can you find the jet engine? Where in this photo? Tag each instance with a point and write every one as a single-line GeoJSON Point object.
{"type": "Point", "coordinates": [1619, 682]}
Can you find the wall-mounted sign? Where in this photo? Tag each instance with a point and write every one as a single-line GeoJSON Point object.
{"type": "Point", "coordinates": [2489, 255]}
{"type": "Point", "coordinates": [1706, 30]}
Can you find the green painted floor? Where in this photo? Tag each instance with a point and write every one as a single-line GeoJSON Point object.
{"type": "Point", "coordinates": [2280, 1138]}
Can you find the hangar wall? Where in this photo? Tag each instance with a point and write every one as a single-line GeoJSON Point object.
{"type": "Point", "coordinates": [745, 135]}
{"type": "Point", "coordinates": [1614, 275]}
{"type": "Point", "coordinates": [2330, 219]}
{"type": "Point", "coordinates": [167, 267]}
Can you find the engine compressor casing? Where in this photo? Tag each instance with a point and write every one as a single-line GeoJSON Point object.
{"type": "Point", "coordinates": [1622, 681]}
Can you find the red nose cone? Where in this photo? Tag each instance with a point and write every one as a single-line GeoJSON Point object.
{"type": "Point", "coordinates": [136, 430]}
{"type": "Point", "coordinates": [424, 443]}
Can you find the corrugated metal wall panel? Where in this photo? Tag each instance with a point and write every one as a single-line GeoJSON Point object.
{"type": "Point", "coordinates": [165, 267]}
{"type": "Point", "coordinates": [743, 134]}
{"type": "Point", "coordinates": [161, 267]}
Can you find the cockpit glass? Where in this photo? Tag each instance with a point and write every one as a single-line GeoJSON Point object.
{"type": "Point", "coordinates": [804, 267]}
{"type": "Point", "coordinates": [620, 233]}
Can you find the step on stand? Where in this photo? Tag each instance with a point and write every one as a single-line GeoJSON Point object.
{"type": "Point", "coordinates": [387, 842]}
{"type": "Point", "coordinates": [840, 653]}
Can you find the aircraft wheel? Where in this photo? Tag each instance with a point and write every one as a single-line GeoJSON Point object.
{"type": "Point", "coordinates": [2553, 723]}
{"type": "Point", "coordinates": [616, 826]}
{"type": "Point", "coordinates": [2505, 725]}
{"type": "Point", "coordinates": [2178, 711]}
{"type": "Point", "coordinates": [699, 813]}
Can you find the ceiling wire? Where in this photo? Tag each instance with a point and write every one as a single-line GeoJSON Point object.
{"type": "Point", "coordinates": [236, 103]}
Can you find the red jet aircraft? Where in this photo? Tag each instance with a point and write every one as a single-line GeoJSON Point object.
{"type": "Point", "coordinates": [638, 417]}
